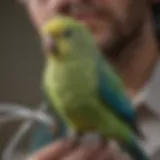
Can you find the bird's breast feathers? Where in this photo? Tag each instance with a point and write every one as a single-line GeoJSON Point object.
{"type": "Point", "coordinates": [70, 83]}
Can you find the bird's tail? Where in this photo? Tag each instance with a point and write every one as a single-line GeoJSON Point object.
{"type": "Point", "coordinates": [136, 151]}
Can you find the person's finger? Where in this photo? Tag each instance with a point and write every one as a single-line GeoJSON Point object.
{"type": "Point", "coordinates": [110, 151]}
{"type": "Point", "coordinates": [113, 152]}
{"type": "Point", "coordinates": [124, 156]}
{"type": "Point", "coordinates": [120, 156]}
{"type": "Point", "coordinates": [53, 151]}
{"type": "Point", "coordinates": [83, 153]}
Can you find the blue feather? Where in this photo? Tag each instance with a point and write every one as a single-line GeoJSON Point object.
{"type": "Point", "coordinates": [135, 150]}
{"type": "Point", "coordinates": [119, 102]}
{"type": "Point", "coordinates": [43, 134]}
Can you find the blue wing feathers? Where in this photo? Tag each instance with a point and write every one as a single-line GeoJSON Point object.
{"type": "Point", "coordinates": [118, 101]}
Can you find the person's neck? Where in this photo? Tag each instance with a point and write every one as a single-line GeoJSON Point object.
{"type": "Point", "coordinates": [139, 58]}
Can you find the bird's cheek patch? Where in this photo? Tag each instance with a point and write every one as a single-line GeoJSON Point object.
{"type": "Point", "coordinates": [65, 48]}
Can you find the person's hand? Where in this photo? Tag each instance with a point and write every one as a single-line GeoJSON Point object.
{"type": "Point", "coordinates": [65, 150]}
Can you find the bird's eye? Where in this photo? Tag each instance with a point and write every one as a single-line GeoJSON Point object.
{"type": "Point", "coordinates": [67, 33]}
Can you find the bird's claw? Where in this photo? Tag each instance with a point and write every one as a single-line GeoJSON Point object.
{"type": "Point", "coordinates": [55, 128]}
{"type": "Point", "coordinates": [77, 139]}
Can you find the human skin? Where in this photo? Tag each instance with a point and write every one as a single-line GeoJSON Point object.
{"type": "Point", "coordinates": [64, 150]}
{"type": "Point", "coordinates": [124, 32]}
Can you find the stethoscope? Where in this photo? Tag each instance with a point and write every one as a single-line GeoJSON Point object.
{"type": "Point", "coordinates": [14, 112]}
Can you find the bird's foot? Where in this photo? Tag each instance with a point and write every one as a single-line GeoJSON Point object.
{"type": "Point", "coordinates": [77, 138]}
{"type": "Point", "coordinates": [103, 141]}
{"type": "Point", "coordinates": [55, 128]}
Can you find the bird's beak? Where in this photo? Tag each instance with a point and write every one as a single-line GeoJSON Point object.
{"type": "Point", "coordinates": [50, 44]}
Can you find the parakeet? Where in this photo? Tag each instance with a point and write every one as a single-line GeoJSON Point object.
{"type": "Point", "coordinates": [84, 88]}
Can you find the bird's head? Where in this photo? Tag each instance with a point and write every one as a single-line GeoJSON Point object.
{"type": "Point", "coordinates": [65, 37]}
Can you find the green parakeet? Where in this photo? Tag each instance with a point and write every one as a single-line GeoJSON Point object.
{"type": "Point", "coordinates": [83, 87]}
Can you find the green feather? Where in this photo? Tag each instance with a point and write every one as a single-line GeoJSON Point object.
{"type": "Point", "coordinates": [71, 83]}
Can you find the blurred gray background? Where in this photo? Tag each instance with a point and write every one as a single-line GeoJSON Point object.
{"type": "Point", "coordinates": [21, 62]}
{"type": "Point", "coordinates": [20, 59]}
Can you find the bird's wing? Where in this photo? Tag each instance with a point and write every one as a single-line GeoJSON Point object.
{"type": "Point", "coordinates": [113, 92]}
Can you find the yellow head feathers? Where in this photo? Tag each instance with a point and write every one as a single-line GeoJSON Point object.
{"type": "Point", "coordinates": [59, 24]}
{"type": "Point", "coordinates": [67, 37]}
